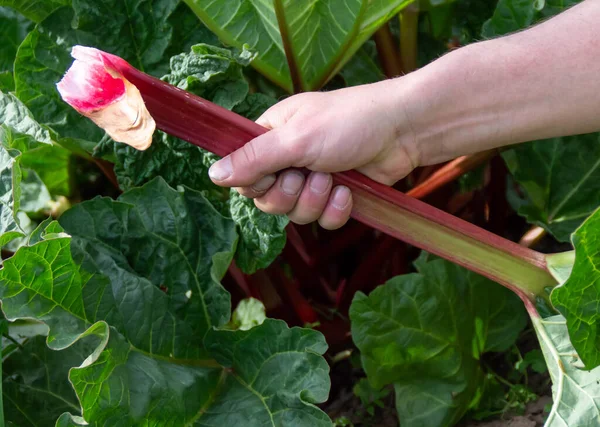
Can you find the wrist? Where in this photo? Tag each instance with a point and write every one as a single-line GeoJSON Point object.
{"type": "Point", "coordinates": [457, 106]}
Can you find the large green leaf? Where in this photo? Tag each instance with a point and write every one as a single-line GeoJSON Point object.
{"type": "Point", "coordinates": [425, 333]}
{"type": "Point", "coordinates": [36, 10]}
{"type": "Point", "coordinates": [36, 389]}
{"type": "Point", "coordinates": [141, 275]}
{"type": "Point", "coordinates": [559, 197]}
{"type": "Point", "coordinates": [576, 392]}
{"type": "Point", "coordinates": [318, 37]}
{"type": "Point", "coordinates": [13, 29]}
{"type": "Point", "coordinates": [577, 299]}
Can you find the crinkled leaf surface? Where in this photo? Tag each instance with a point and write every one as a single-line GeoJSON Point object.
{"type": "Point", "coordinates": [320, 37]}
{"type": "Point", "coordinates": [212, 73]}
{"type": "Point", "coordinates": [36, 10]}
{"type": "Point", "coordinates": [578, 298]}
{"type": "Point", "coordinates": [576, 392]}
{"type": "Point", "coordinates": [559, 197]}
{"type": "Point", "coordinates": [141, 275]}
{"type": "Point", "coordinates": [262, 236]}
{"type": "Point", "coordinates": [425, 333]}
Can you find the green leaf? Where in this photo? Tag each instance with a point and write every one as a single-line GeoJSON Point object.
{"type": "Point", "coordinates": [578, 297]}
{"type": "Point", "coordinates": [514, 15]}
{"type": "Point", "coordinates": [51, 163]}
{"type": "Point", "coordinates": [10, 190]}
{"type": "Point", "coordinates": [212, 73]}
{"type": "Point", "coordinates": [575, 391]}
{"type": "Point", "coordinates": [559, 197]}
{"type": "Point", "coordinates": [36, 387]}
{"type": "Point", "coordinates": [140, 277]}
{"type": "Point", "coordinates": [29, 162]}
{"type": "Point", "coordinates": [319, 38]}
{"type": "Point", "coordinates": [262, 236]}
{"type": "Point", "coordinates": [375, 14]}
{"type": "Point", "coordinates": [36, 10]}
{"type": "Point", "coordinates": [510, 16]}
{"type": "Point", "coordinates": [34, 194]}
{"type": "Point", "coordinates": [44, 56]}
{"type": "Point", "coordinates": [14, 114]}
{"type": "Point", "coordinates": [363, 67]}
{"type": "Point", "coordinates": [13, 29]}
{"type": "Point", "coordinates": [254, 105]}
{"type": "Point", "coordinates": [425, 333]}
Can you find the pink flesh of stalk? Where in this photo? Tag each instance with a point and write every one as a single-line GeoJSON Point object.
{"type": "Point", "coordinates": [88, 86]}
{"type": "Point", "coordinates": [221, 131]}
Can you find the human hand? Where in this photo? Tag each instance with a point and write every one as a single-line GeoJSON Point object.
{"type": "Point", "coordinates": [361, 128]}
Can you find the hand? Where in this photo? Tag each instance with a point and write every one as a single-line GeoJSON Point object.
{"type": "Point", "coordinates": [361, 128]}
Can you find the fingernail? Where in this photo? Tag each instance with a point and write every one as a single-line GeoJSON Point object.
{"type": "Point", "coordinates": [221, 170]}
{"type": "Point", "coordinates": [292, 183]}
{"type": "Point", "coordinates": [319, 182]}
{"type": "Point", "coordinates": [341, 198]}
{"type": "Point", "coordinates": [264, 183]}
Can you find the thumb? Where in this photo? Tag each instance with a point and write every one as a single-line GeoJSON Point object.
{"type": "Point", "coordinates": [262, 156]}
{"type": "Point", "coordinates": [280, 113]}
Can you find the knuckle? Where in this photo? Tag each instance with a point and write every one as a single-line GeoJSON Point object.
{"type": "Point", "coordinates": [249, 154]}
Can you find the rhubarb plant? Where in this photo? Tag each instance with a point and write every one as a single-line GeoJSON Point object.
{"type": "Point", "coordinates": [278, 32]}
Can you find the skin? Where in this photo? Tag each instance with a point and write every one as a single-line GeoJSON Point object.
{"type": "Point", "coordinates": [536, 84]}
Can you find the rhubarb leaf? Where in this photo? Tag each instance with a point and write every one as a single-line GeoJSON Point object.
{"type": "Point", "coordinates": [319, 38]}
{"type": "Point", "coordinates": [577, 298]}
{"type": "Point", "coordinates": [10, 190]}
{"type": "Point", "coordinates": [14, 114]}
{"type": "Point", "coordinates": [576, 392]}
{"type": "Point", "coordinates": [13, 29]}
{"type": "Point", "coordinates": [509, 16]}
{"type": "Point", "coordinates": [514, 15]}
{"type": "Point", "coordinates": [36, 10]}
{"type": "Point", "coordinates": [375, 14]}
{"type": "Point", "coordinates": [558, 196]}
{"type": "Point", "coordinates": [262, 236]}
{"type": "Point", "coordinates": [363, 67]}
{"type": "Point", "coordinates": [212, 73]}
{"type": "Point", "coordinates": [36, 388]}
{"type": "Point", "coordinates": [139, 277]}
{"type": "Point", "coordinates": [425, 333]}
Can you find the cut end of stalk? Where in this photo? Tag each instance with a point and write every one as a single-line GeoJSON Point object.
{"type": "Point", "coordinates": [96, 89]}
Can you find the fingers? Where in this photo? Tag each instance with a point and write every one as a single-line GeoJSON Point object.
{"type": "Point", "coordinates": [304, 200]}
{"type": "Point", "coordinates": [283, 195]}
{"type": "Point", "coordinates": [313, 200]}
{"type": "Point", "coordinates": [337, 211]}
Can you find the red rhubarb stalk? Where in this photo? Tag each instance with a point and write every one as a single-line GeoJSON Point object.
{"type": "Point", "coordinates": [221, 131]}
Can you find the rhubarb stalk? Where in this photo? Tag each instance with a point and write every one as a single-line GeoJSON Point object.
{"type": "Point", "coordinates": [221, 131]}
